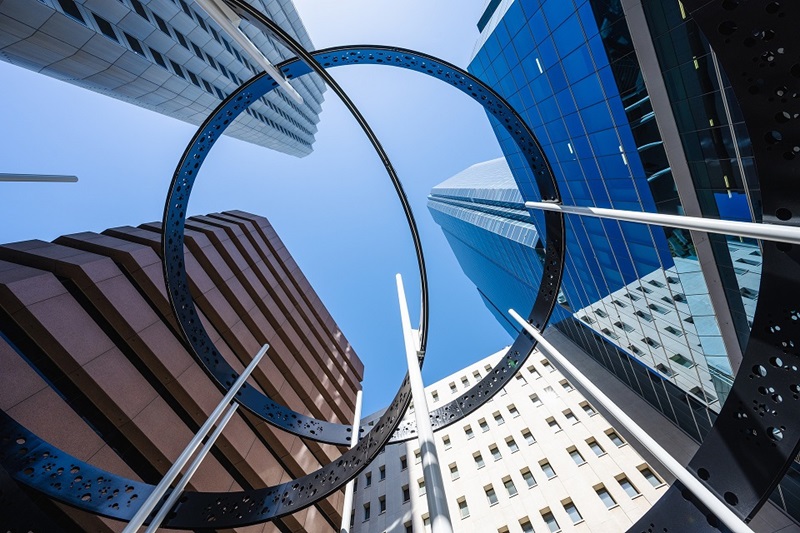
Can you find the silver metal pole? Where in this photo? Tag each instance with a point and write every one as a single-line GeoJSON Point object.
{"type": "Point", "coordinates": [37, 178]}
{"type": "Point", "coordinates": [753, 230]}
{"type": "Point", "coordinates": [181, 485]}
{"type": "Point", "coordinates": [431, 471]}
{"type": "Point", "coordinates": [150, 503]}
{"type": "Point", "coordinates": [721, 510]}
{"type": "Point", "coordinates": [348, 490]}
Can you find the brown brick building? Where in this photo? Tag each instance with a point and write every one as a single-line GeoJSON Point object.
{"type": "Point", "coordinates": [92, 361]}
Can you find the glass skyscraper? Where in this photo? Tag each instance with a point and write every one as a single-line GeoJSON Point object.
{"type": "Point", "coordinates": [164, 55]}
{"type": "Point", "coordinates": [633, 113]}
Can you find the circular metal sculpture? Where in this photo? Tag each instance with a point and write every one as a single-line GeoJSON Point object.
{"type": "Point", "coordinates": [34, 462]}
{"type": "Point", "coordinates": [757, 434]}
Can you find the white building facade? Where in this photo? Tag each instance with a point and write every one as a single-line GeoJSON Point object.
{"type": "Point", "coordinates": [537, 457]}
{"type": "Point", "coordinates": [166, 56]}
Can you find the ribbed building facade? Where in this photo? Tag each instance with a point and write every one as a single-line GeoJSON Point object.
{"type": "Point", "coordinates": [164, 55]}
{"type": "Point", "coordinates": [92, 361]}
{"type": "Point", "coordinates": [537, 457]}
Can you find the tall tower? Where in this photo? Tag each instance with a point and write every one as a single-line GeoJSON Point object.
{"type": "Point", "coordinates": [166, 56]}
{"type": "Point", "coordinates": [93, 362]}
{"type": "Point", "coordinates": [633, 113]}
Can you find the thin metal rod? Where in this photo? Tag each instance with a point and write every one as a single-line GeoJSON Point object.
{"type": "Point", "coordinates": [431, 471]}
{"type": "Point", "coordinates": [162, 487]}
{"type": "Point", "coordinates": [753, 230]}
{"type": "Point", "coordinates": [37, 178]}
{"type": "Point", "coordinates": [229, 22]}
{"type": "Point", "coordinates": [181, 485]}
{"type": "Point", "coordinates": [350, 487]}
{"type": "Point", "coordinates": [720, 509]}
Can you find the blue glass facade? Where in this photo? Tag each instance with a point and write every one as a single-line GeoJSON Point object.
{"type": "Point", "coordinates": [633, 296]}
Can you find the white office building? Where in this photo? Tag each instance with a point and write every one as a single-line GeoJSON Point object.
{"type": "Point", "coordinates": [537, 457]}
{"type": "Point", "coordinates": [166, 56]}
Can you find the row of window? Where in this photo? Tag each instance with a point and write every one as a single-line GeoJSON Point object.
{"type": "Point", "coordinates": [71, 9]}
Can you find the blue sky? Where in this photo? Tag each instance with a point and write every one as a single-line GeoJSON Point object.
{"type": "Point", "coordinates": [335, 209]}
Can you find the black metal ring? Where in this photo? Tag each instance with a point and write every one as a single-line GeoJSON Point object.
{"type": "Point", "coordinates": [33, 461]}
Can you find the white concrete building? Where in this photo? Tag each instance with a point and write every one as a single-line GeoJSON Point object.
{"type": "Point", "coordinates": [537, 457]}
{"type": "Point", "coordinates": [164, 55]}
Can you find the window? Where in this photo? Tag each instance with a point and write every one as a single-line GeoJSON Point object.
{"type": "Point", "coordinates": [490, 494]}
{"type": "Point", "coordinates": [628, 487]}
{"type": "Point", "coordinates": [508, 483]}
{"type": "Point", "coordinates": [553, 425]}
{"type": "Point", "coordinates": [446, 442]}
{"type": "Point", "coordinates": [71, 9]}
{"type": "Point", "coordinates": [366, 512]}
{"type": "Point", "coordinates": [495, 451]}
{"type": "Point", "coordinates": [454, 475]}
{"type": "Point", "coordinates": [406, 493]}
{"type": "Point", "coordinates": [382, 504]}
{"type": "Point", "coordinates": [468, 432]}
{"type": "Point", "coordinates": [651, 477]}
{"type": "Point", "coordinates": [403, 463]}
{"type": "Point", "coordinates": [665, 370]}
{"type": "Point", "coordinates": [528, 477]}
{"type": "Point", "coordinates": [703, 395]}
{"type": "Point", "coordinates": [426, 520]}
{"type": "Point", "coordinates": [134, 44]}
{"type": "Point", "coordinates": [185, 8]}
{"type": "Point", "coordinates": [606, 498]}
{"type": "Point", "coordinates": [139, 8]}
{"type": "Point", "coordinates": [550, 520]}
{"type": "Point", "coordinates": [161, 24]}
{"type": "Point", "coordinates": [159, 58]}
{"type": "Point", "coordinates": [417, 457]}
{"type": "Point", "coordinates": [547, 366]}
{"type": "Point", "coordinates": [528, 436]}
{"type": "Point", "coordinates": [421, 487]}
{"type": "Point", "coordinates": [587, 319]}
{"type": "Point", "coordinates": [512, 445]}
{"type": "Point", "coordinates": [534, 372]}
{"type": "Point", "coordinates": [588, 409]}
{"type": "Point", "coordinates": [681, 360]}
{"type": "Point", "coordinates": [634, 349]}
{"type": "Point", "coordinates": [435, 396]}
{"type": "Point", "coordinates": [498, 418]}
{"type": "Point", "coordinates": [673, 331]}
{"type": "Point", "coordinates": [465, 382]}
{"type": "Point", "coordinates": [573, 512]}
{"type": "Point", "coordinates": [526, 526]}
{"type": "Point", "coordinates": [576, 456]}
{"type": "Point", "coordinates": [631, 297]}
{"type": "Point", "coordinates": [644, 316]}
{"type": "Point", "coordinates": [567, 386]}
{"type": "Point", "coordinates": [409, 527]}
{"type": "Point", "coordinates": [368, 479]}
{"type": "Point", "coordinates": [177, 68]}
{"type": "Point", "coordinates": [105, 27]}
{"type": "Point", "coordinates": [355, 484]}
{"type": "Point", "coordinates": [549, 392]}
{"type": "Point", "coordinates": [476, 375]}
{"type": "Point", "coordinates": [601, 313]}
{"type": "Point", "coordinates": [463, 509]}
{"type": "Point", "coordinates": [193, 78]}
{"type": "Point", "coordinates": [655, 283]}
{"type": "Point", "coordinates": [535, 399]}
{"type": "Point", "coordinates": [484, 426]}
{"type": "Point", "coordinates": [382, 473]}
{"type": "Point", "coordinates": [615, 438]}
{"type": "Point", "coordinates": [623, 326]}
{"type": "Point", "coordinates": [608, 333]}
{"type": "Point", "coordinates": [651, 342]}
{"type": "Point", "coordinates": [618, 303]}
{"type": "Point", "coordinates": [352, 518]}
{"type": "Point", "coordinates": [513, 410]}
{"type": "Point", "coordinates": [478, 459]}
{"type": "Point", "coordinates": [521, 379]}
{"type": "Point", "coordinates": [571, 417]}
{"type": "Point", "coordinates": [596, 448]}
{"type": "Point", "coordinates": [453, 387]}
{"type": "Point", "coordinates": [547, 469]}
